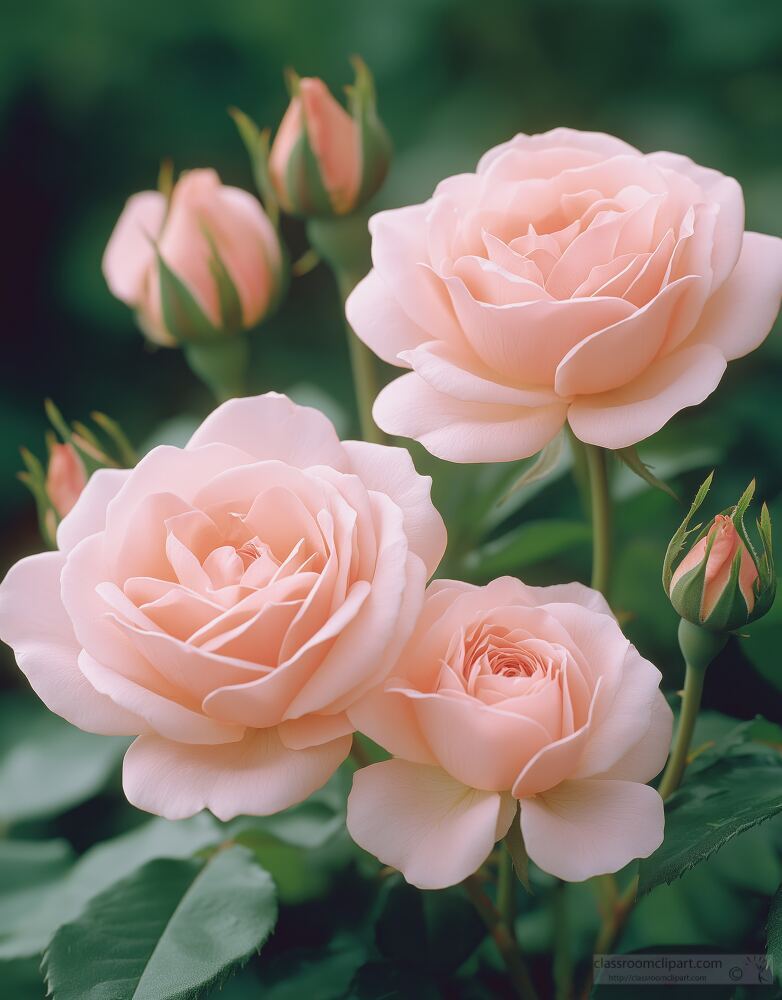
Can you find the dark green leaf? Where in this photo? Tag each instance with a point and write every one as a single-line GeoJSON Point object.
{"type": "Point", "coordinates": [28, 869]}
{"type": "Point", "coordinates": [97, 869]}
{"type": "Point", "coordinates": [718, 802]}
{"type": "Point", "coordinates": [386, 981]}
{"type": "Point", "coordinates": [168, 931]}
{"type": "Point", "coordinates": [46, 765]}
{"type": "Point", "coordinates": [774, 934]}
{"type": "Point", "coordinates": [530, 543]}
{"type": "Point", "coordinates": [323, 974]}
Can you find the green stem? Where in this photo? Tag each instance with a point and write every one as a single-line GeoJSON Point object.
{"type": "Point", "coordinates": [699, 648]}
{"type": "Point", "coordinates": [601, 518]}
{"type": "Point", "coordinates": [563, 963]}
{"type": "Point", "coordinates": [506, 890]}
{"type": "Point", "coordinates": [223, 366]}
{"type": "Point", "coordinates": [343, 242]}
{"type": "Point", "coordinates": [506, 944]}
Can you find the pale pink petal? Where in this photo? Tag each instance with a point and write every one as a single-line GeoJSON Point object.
{"type": "Point", "coordinates": [647, 757]}
{"type": "Point", "coordinates": [739, 316]}
{"type": "Point", "coordinates": [89, 513]}
{"type": "Point", "coordinates": [561, 138]}
{"type": "Point", "coordinates": [421, 821]}
{"type": "Point", "coordinates": [590, 827]}
{"type": "Point", "coordinates": [272, 426]}
{"type": "Point", "coordinates": [389, 718]}
{"type": "Point", "coordinates": [568, 593]}
{"type": "Point", "coordinates": [391, 471]}
{"type": "Point", "coordinates": [130, 251]}
{"type": "Point", "coordinates": [255, 776]}
{"type": "Point", "coordinates": [378, 319]}
{"type": "Point", "coordinates": [464, 432]}
{"type": "Point", "coordinates": [625, 416]}
{"type": "Point", "coordinates": [630, 714]}
{"type": "Point", "coordinates": [35, 625]}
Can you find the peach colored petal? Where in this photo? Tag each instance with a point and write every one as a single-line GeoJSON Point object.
{"type": "Point", "coordinates": [634, 412]}
{"type": "Point", "coordinates": [464, 432]}
{"type": "Point", "coordinates": [255, 776]}
{"type": "Point", "coordinates": [302, 435]}
{"type": "Point", "coordinates": [335, 141]}
{"type": "Point", "coordinates": [442, 831]}
{"type": "Point", "coordinates": [585, 828]}
{"type": "Point", "coordinates": [313, 730]}
{"type": "Point", "coordinates": [378, 319]}
{"type": "Point", "coordinates": [290, 130]}
{"type": "Point", "coordinates": [389, 718]}
{"type": "Point", "coordinates": [35, 624]}
{"type": "Point", "coordinates": [647, 757]}
{"type": "Point", "coordinates": [130, 251]}
{"type": "Point", "coordinates": [391, 471]}
{"type": "Point", "coordinates": [738, 318]}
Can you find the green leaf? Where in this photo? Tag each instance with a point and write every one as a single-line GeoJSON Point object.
{"type": "Point", "coordinates": [545, 463]}
{"type": "Point", "coordinates": [774, 934]}
{"type": "Point", "coordinates": [633, 461]}
{"type": "Point", "coordinates": [168, 931]}
{"type": "Point", "coordinates": [97, 869]}
{"type": "Point", "coordinates": [317, 974]}
{"type": "Point", "coordinates": [514, 842]}
{"type": "Point", "coordinates": [28, 869]}
{"type": "Point", "coordinates": [47, 765]}
{"type": "Point", "coordinates": [719, 801]}
{"type": "Point", "coordinates": [386, 981]}
{"type": "Point", "coordinates": [530, 543]}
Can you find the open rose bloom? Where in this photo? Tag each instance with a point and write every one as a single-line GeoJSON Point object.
{"type": "Point", "coordinates": [226, 603]}
{"type": "Point", "coordinates": [570, 278]}
{"type": "Point", "coordinates": [510, 696]}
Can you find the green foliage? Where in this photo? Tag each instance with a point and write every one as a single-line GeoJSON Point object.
{"type": "Point", "coordinates": [166, 932]}
{"type": "Point", "coordinates": [47, 765]}
{"type": "Point", "coordinates": [735, 787]}
{"type": "Point", "coordinates": [774, 932]}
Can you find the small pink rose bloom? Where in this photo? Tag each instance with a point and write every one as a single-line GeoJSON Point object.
{"type": "Point", "coordinates": [570, 278]}
{"type": "Point", "coordinates": [724, 547]}
{"type": "Point", "coordinates": [65, 478]}
{"type": "Point", "coordinates": [315, 118]}
{"type": "Point", "coordinates": [511, 696]}
{"type": "Point", "coordinates": [203, 219]}
{"type": "Point", "coordinates": [226, 602]}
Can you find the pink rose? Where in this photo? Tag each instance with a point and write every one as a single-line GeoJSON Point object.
{"type": "Point", "coordinates": [724, 544]}
{"type": "Point", "coordinates": [571, 278]}
{"type": "Point", "coordinates": [65, 478]}
{"type": "Point", "coordinates": [227, 602]}
{"type": "Point", "coordinates": [205, 221]}
{"type": "Point", "coordinates": [508, 696]}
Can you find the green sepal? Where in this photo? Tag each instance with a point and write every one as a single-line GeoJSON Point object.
{"type": "Point", "coordinates": [257, 142]}
{"type": "Point", "coordinates": [514, 841]}
{"type": "Point", "coordinates": [227, 294]}
{"type": "Point", "coordinates": [687, 595]}
{"type": "Point", "coordinates": [34, 478]}
{"type": "Point", "coordinates": [545, 462]}
{"type": "Point", "coordinates": [307, 194]}
{"type": "Point", "coordinates": [634, 462]}
{"type": "Point", "coordinates": [184, 318]}
{"type": "Point", "coordinates": [683, 532]}
{"type": "Point", "coordinates": [374, 140]}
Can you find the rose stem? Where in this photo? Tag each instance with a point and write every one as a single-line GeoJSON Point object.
{"type": "Point", "coordinates": [699, 648]}
{"type": "Point", "coordinates": [601, 518]}
{"type": "Point", "coordinates": [506, 943]}
{"type": "Point", "coordinates": [563, 965]}
{"type": "Point", "coordinates": [344, 243]}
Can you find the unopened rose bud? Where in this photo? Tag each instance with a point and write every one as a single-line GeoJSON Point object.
{"type": "Point", "coordinates": [205, 264]}
{"type": "Point", "coordinates": [326, 160]}
{"type": "Point", "coordinates": [65, 478]}
{"type": "Point", "coordinates": [722, 583]}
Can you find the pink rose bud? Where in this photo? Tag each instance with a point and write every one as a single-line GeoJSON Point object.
{"type": "Point", "coordinates": [205, 263]}
{"type": "Point", "coordinates": [65, 478]}
{"type": "Point", "coordinates": [722, 583]}
{"type": "Point", "coordinates": [324, 160]}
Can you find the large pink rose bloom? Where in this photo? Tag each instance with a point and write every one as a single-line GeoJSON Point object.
{"type": "Point", "coordinates": [512, 698]}
{"type": "Point", "coordinates": [570, 278]}
{"type": "Point", "coordinates": [227, 602]}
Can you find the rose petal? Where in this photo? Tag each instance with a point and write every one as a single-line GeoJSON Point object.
{"type": "Point", "coordinates": [89, 513]}
{"type": "Point", "coordinates": [378, 319]}
{"type": "Point", "coordinates": [440, 830]}
{"type": "Point", "coordinates": [131, 248]}
{"type": "Point", "coordinates": [589, 827]}
{"type": "Point", "coordinates": [256, 776]}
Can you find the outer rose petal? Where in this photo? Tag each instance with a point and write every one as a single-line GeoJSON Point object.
{"type": "Point", "coordinates": [569, 593]}
{"type": "Point", "coordinates": [257, 776]}
{"type": "Point", "coordinates": [597, 142]}
{"type": "Point", "coordinates": [421, 821]}
{"type": "Point", "coordinates": [130, 251]}
{"type": "Point", "coordinates": [33, 621]}
{"type": "Point", "coordinates": [89, 513]}
{"type": "Point", "coordinates": [738, 318]}
{"type": "Point", "coordinates": [389, 719]}
{"type": "Point", "coordinates": [464, 432]}
{"type": "Point", "coordinates": [590, 827]}
{"type": "Point", "coordinates": [380, 321]}
{"type": "Point", "coordinates": [646, 759]}
{"type": "Point", "coordinates": [302, 436]}
{"type": "Point", "coordinates": [391, 471]}
{"type": "Point", "coordinates": [625, 416]}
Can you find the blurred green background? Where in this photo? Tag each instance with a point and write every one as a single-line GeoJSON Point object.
{"type": "Point", "coordinates": [94, 93]}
